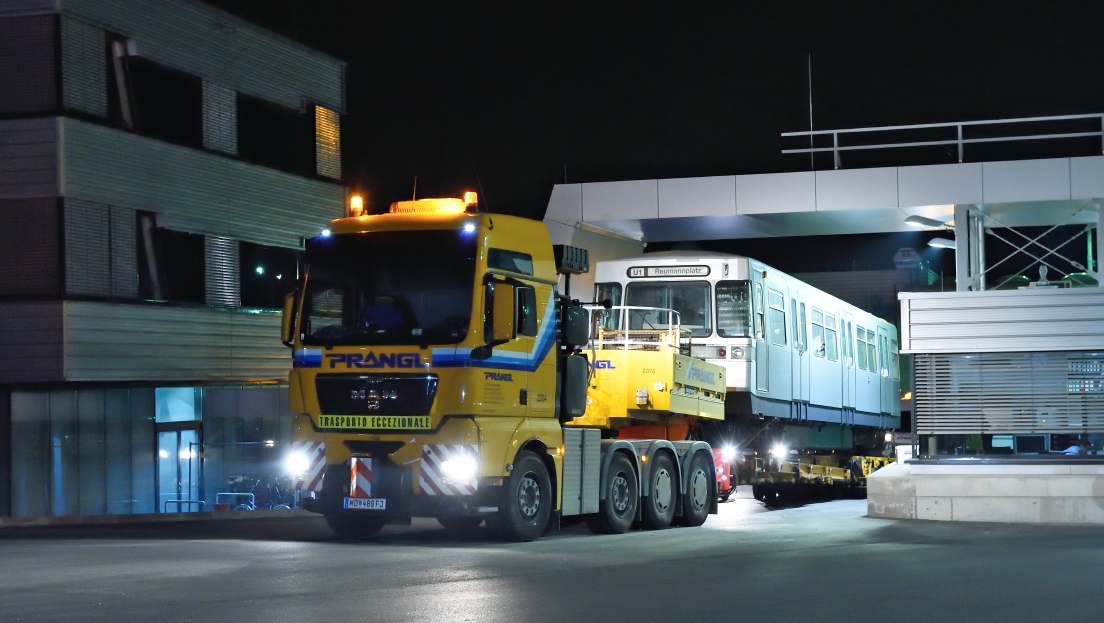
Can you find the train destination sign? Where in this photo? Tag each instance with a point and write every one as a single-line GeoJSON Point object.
{"type": "Point", "coordinates": [668, 271]}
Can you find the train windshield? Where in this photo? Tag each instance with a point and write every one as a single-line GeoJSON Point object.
{"type": "Point", "coordinates": [689, 298]}
{"type": "Point", "coordinates": [396, 287]}
{"type": "Point", "coordinates": [733, 309]}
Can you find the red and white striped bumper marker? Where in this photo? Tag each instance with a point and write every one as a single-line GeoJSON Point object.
{"type": "Point", "coordinates": [360, 478]}
{"type": "Point", "coordinates": [315, 451]}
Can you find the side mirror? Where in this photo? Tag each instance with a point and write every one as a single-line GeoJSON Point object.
{"type": "Point", "coordinates": [287, 322]}
{"type": "Point", "coordinates": [504, 313]}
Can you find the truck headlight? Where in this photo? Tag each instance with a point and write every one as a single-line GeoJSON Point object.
{"type": "Point", "coordinates": [297, 464]}
{"type": "Point", "coordinates": [460, 470]}
{"type": "Point", "coordinates": [728, 453]}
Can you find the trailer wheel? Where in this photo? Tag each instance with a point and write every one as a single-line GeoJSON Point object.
{"type": "Point", "coordinates": [659, 506]}
{"type": "Point", "coordinates": [526, 500]}
{"type": "Point", "coordinates": [348, 526]}
{"type": "Point", "coordinates": [618, 510]}
{"type": "Point", "coordinates": [759, 492]}
{"type": "Point", "coordinates": [699, 489]}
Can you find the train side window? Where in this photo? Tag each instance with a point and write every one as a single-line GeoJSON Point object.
{"type": "Point", "coordinates": [759, 313]}
{"type": "Point", "coordinates": [818, 333]}
{"type": "Point", "coordinates": [871, 356]}
{"type": "Point", "coordinates": [829, 336]}
{"type": "Point", "coordinates": [793, 324]}
{"type": "Point", "coordinates": [849, 345]}
{"type": "Point", "coordinates": [777, 318]}
{"type": "Point", "coordinates": [860, 347]}
{"type": "Point", "coordinates": [804, 331]}
{"type": "Point", "coordinates": [894, 360]}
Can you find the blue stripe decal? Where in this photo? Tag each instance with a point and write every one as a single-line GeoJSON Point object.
{"type": "Point", "coordinates": [307, 358]}
{"type": "Point", "coordinates": [504, 359]}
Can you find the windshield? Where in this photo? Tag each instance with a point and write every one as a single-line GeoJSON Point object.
{"type": "Point", "coordinates": [733, 309]}
{"type": "Point", "coordinates": [395, 287]}
{"type": "Point", "coordinates": [689, 298]}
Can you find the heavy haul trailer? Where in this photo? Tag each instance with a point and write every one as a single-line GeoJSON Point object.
{"type": "Point", "coordinates": [813, 383]}
{"type": "Point", "coordinates": [439, 374]}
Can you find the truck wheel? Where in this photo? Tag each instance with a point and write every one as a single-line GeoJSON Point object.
{"type": "Point", "coordinates": [347, 526]}
{"type": "Point", "coordinates": [526, 500]}
{"type": "Point", "coordinates": [460, 525]}
{"type": "Point", "coordinates": [659, 506]}
{"type": "Point", "coordinates": [617, 512]}
{"type": "Point", "coordinates": [699, 489]}
{"type": "Point", "coordinates": [759, 492]}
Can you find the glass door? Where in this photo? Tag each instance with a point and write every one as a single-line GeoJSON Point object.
{"type": "Point", "coordinates": [178, 469]}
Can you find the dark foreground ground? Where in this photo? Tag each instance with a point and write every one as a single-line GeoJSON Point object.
{"type": "Point", "coordinates": [821, 562]}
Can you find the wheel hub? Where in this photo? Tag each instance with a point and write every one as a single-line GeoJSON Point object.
{"type": "Point", "coordinates": [699, 489]}
{"type": "Point", "coordinates": [529, 498]}
{"type": "Point", "coordinates": [620, 494]}
{"type": "Point", "coordinates": [661, 490]}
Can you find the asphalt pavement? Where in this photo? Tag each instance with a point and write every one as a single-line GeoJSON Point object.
{"type": "Point", "coordinates": [819, 562]}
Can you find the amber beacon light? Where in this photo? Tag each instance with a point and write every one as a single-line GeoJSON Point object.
{"type": "Point", "coordinates": [356, 205]}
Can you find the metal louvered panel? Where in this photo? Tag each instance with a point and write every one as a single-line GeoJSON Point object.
{"type": "Point", "coordinates": [327, 137]}
{"type": "Point", "coordinates": [1036, 319]}
{"type": "Point", "coordinates": [124, 253]}
{"type": "Point", "coordinates": [87, 248]}
{"type": "Point", "coordinates": [221, 272]}
{"type": "Point", "coordinates": [1048, 392]}
{"type": "Point", "coordinates": [206, 194]}
{"type": "Point", "coordinates": [220, 119]}
{"type": "Point", "coordinates": [27, 75]}
{"type": "Point", "coordinates": [216, 46]}
{"type": "Point", "coordinates": [28, 158]}
{"type": "Point", "coordinates": [83, 67]}
{"type": "Point", "coordinates": [28, 246]}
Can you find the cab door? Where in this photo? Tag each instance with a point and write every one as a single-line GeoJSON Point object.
{"type": "Point", "coordinates": [539, 318]}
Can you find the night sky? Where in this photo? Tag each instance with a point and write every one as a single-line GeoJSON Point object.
{"type": "Point", "coordinates": [500, 97]}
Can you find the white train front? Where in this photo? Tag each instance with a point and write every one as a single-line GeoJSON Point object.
{"type": "Point", "coordinates": [791, 352]}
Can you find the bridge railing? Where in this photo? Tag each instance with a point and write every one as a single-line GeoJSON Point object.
{"type": "Point", "coordinates": [852, 137]}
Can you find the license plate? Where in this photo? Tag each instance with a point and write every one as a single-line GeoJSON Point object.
{"type": "Point", "coordinates": [370, 504]}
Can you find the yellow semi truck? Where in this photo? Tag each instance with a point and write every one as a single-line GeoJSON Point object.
{"type": "Point", "coordinates": [438, 373]}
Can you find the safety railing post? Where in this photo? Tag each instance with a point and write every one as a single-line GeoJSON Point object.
{"type": "Point", "coordinates": [960, 142]}
{"type": "Point", "coordinates": [835, 149]}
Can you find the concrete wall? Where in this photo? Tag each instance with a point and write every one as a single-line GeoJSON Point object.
{"type": "Point", "coordinates": [1052, 493]}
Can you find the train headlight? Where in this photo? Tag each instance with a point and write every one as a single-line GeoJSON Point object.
{"type": "Point", "coordinates": [461, 470]}
{"type": "Point", "coordinates": [737, 352]}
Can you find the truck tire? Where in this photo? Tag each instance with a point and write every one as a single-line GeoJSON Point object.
{"type": "Point", "coordinates": [460, 525]}
{"type": "Point", "coordinates": [617, 511]}
{"type": "Point", "coordinates": [526, 500]}
{"type": "Point", "coordinates": [351, 526]}
{"type": "Point", "coordinates": [759, 492]}
{"type": "Point", "coordinates": [659, 506]}
{"type": "Point", "coordinates": [700, 488]}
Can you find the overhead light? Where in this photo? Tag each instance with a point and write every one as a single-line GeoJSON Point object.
{"type": "Point", "coordinates": [941, 243]}
{"type": "Point", "coordinates": [923, 221]}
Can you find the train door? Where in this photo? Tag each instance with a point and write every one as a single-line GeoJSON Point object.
{"type": "Point", "coordinates": [762, 350]}
{"type": "Point", "coordinates": [778, 338]}
{"type": "Point", "coordinates": [799, 368]}
{"type": "Point", "coordinates": [884, 374]}
{"type": "Point", "coordinates": [848, 360]}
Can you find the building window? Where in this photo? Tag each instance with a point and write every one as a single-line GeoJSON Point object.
{"type": "Point", "coordinates": [277, 137]}
{"type": "Point", "coordinates": [222, 272]}
{"type": "Point", "coordinates": [100, 250]}
{"type": "Point", "coordinates": [267, 275]}
{"type": "Point", "coordinates": [168, 104]}
{"type": "Point", "coordinates": [327, 140]}
{"type": "Point", "coordinates": [171, 264]}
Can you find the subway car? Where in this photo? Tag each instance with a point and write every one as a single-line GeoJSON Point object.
{"type": "Point", "coordinates": [806, 371]}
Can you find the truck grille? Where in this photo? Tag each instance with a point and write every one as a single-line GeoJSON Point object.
{"type": "Point", "coordinates": [376, 394]}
